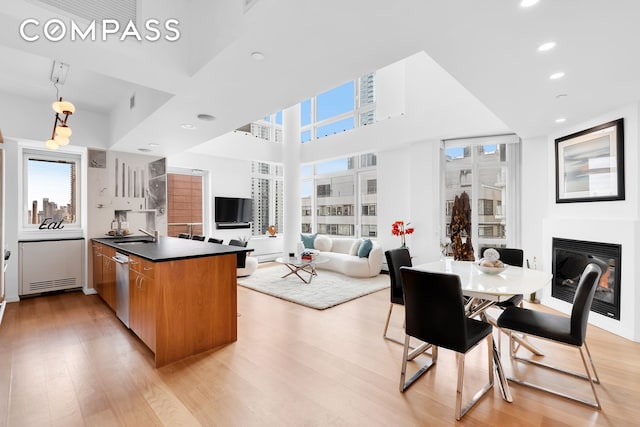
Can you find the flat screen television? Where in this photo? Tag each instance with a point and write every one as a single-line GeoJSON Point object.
{"type": "Point", "coordinates": [233, 211]}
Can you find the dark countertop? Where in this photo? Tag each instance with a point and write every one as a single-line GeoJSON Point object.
{"type": "Point", "coordinates": [168, 248]}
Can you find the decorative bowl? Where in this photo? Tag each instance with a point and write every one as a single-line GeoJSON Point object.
{"type": "Point", "coordinates": [491, 270]}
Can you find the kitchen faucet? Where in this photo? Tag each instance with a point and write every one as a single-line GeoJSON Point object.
{"type": "Point", "coordinates": [153, 235]}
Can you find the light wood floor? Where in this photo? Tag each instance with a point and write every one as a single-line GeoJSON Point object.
{"type": "Point", "coordinates": [65, 360]}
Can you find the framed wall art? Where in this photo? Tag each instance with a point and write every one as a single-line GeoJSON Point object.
{"type": "Point", "coordinates": [590, 164]}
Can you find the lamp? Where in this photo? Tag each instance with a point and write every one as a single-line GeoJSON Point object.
{"type": "Point", "coordinates": [63, 109]}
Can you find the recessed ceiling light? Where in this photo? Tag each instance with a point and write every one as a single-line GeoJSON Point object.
{"type": "Point", "coordinates": [206, 117]}
{"type": "Point", "coordinates": [258, 56]}
{"type": "Point", "coordinates": [561, 120]}
{"type": "Point", "coordinates": [527, 3]}
{"type": "Point", "coordinates": [154, 144]}
{"type": "Point", "coordinates": [188, 126]}
{"type": "Point", "coordinates": [546, 46]}
{"type": "Point", "coordinates": [144, 150]}
{"type": "Point", "coordinates": [556, 76]}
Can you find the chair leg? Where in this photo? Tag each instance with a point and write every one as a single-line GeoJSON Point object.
{"type": "Point", "coordinates": [460, 411]}
{"type": "Point", "coordinates": [406, 357]}
{"type": "Point", "coordinates": [386, 325]}
{"type": "Point", "coordinates": [592, 379]}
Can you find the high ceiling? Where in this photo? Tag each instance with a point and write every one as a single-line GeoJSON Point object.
{"type": "Point", "coordinates": [489, 47]}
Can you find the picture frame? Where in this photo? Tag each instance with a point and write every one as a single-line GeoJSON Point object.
{"type": "Point", "coordinates": [590, 164]}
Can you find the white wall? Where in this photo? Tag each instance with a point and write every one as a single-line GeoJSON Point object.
{"type": "Point", "coordinates": [608, 222]}
{"type": "Point", "coordinates": [227, 178]}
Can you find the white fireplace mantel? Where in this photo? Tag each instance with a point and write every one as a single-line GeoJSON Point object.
{"type": "Point", "coordinates": [620, 231]}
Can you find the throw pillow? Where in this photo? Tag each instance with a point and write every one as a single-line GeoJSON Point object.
{"type": "Point", "coordinates": [355, 246]}
{"type": "Point", "coordinates": [322, 243]}
{"type": "Point", "coordinates": [365, 248]}
{"type": "Point", "coordinates": [307, 240]}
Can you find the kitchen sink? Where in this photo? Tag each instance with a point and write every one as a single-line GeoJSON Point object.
{"type": "Point", "coordinates": [136, 241]}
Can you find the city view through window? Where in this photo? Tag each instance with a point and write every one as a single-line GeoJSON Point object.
{"type": "Point", "coordinates": [339, 197]}
{"type": "Point", "coordinates": [486, 174]}
{"type": "Point", "coordinates": [51, 191]}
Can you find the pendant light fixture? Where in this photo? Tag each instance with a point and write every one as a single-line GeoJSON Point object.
{"type": "Point", "coordinates": [63, 109]}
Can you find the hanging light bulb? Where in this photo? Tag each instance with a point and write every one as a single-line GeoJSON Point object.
{"type": "Point", "coordinates": [61, 140]}
{"type": "Point", "coordinates": [63, 131]}
{"type": "Point", "coordinates": [51, 144]}
{"type": "Point", "coordinates": [63, 107]}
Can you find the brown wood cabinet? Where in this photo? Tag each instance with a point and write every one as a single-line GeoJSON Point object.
{"type": "Point", "coordinates": [183, 307]}
{"type": "Point", "coordinates": [109, 276]}
{"type": "Point", "coordinates": [96, 264]}
{"type": "Point", "coordinates": [142, 310]}
{"type": "Point", "coordinates": [104, 273]}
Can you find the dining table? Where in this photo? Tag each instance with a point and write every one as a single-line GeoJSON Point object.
{"type": "Point", "coordinates": [484, 290]}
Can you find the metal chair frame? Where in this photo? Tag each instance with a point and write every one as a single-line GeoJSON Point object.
{"type": "Point", "coordinates": [590, 369]}
{"type": "Point", "coordinates": [407, 356]}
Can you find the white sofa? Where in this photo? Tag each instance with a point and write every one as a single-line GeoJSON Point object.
{"type": "Point", "coordinates": [250, 266]}
{"type": "Point", "coordinates": [343, 256]}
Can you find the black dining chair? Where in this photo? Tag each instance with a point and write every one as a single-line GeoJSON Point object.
{"type": "Point", "coordinates": [396, 258]}
{"type": "Point", "coordinates": [569, 331]}
{"type": "Point", "coordinates": [515, 257]}
{"type": "Point", "coordinates": [435, 313]}
{"type": "Point", "coordinates": [198, 237]}
{"type": "Point", "coordinates": [510, 256]}
{"type": "Point", "coordinates": [214, 240]}
{"type": "Point", "coordinates": [184, 235]}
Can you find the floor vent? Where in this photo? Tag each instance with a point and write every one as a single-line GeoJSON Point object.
{"type": "Point", "coordinates": [53, 285]}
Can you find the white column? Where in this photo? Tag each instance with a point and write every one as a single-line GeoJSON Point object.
{"type": "Point", "coordinates": [291, 163]}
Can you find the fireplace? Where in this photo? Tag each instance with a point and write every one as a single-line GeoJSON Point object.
{"type": "Point", "coordinates": [570, 257]}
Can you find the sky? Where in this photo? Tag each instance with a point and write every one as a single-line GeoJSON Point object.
{"type": "Point", "coordinates": [49, 179]}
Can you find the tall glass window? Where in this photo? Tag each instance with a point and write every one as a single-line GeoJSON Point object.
{"type": "Point", "coordinates": [339, 197]}
{"type": "Point", "coordinates": [337, 110]}
{"type": "Point", "coordinates": [487, 170]}
{"type": "Point", "coordinates": [51, 188]}
{"type": "Point", "coordinates": [268, 196]}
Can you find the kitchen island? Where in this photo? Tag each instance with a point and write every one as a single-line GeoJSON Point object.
{"type": "Point", "coordinates": [182, 293]}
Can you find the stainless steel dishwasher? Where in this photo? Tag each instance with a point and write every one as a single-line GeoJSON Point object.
{"type": "Point", "coordinates": [122, 287]}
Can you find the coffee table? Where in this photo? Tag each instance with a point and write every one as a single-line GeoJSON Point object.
{"type": "Point", "coordinates": [296, 265]}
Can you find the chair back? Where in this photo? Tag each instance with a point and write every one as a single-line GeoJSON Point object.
{"type": "Point", "coordinates": [197, 237]}
{"type": "Point", "coordinates": [214, 240]}
{"type": "Point", "coordinates": [510, 256]}
{"type": "Point", "coordinates": [434, 308]}
{"type": "Point", "coordinates": [184, 235]}
{"type": "Point", "coordinates": [397, 258]}
{"type": "Point", "coordinates": [234, 242]}
{"type": "Point", "coordinates": [582, 301]}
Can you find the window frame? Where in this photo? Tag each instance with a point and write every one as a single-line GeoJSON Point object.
{"type": "Point", "coordinates": [356, 172]}
{"type": "Point", "coordinates": [69, 154]}
{"type": "Point", "coordinates": [471, 163]}
{"type": "Point", "coordinates": [273, 177]}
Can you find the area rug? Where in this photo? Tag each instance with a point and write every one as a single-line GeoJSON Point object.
{"type": "Point", "coordinates": [327, 289]}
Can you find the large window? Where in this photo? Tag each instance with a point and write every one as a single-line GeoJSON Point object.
{"type": "Point", "coordinates": [51, 188]}
{"type": "Point", "coordinates": [487, 170]}
{"type": "Point", "coordinates": [267, 193]}
{"type": "Point", "coordinates": [339, 197]}
{"type": "Point", "coordinates": [342, 108]}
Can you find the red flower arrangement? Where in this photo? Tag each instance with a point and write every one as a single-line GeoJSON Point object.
{"type": "Point", "coordinates": [399, 228]}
